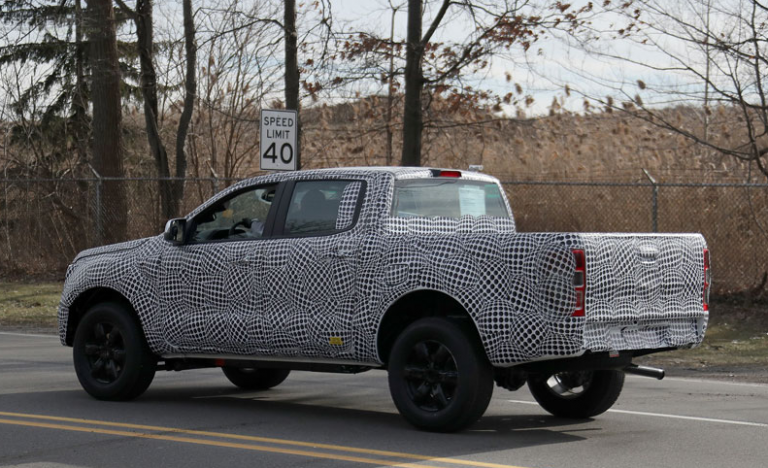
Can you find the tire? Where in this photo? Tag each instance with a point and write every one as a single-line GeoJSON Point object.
{"type": "Point", "coordinates": [255, 379]}
{"type": "Point", "coordinates": [577, 395]}
{"type": "Point", "coordinates": [439, 376]}
{"type": "Point", "coordinates": [111, 356]}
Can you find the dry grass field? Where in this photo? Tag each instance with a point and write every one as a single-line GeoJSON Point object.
{"type": "Point", "coordinates": [44, 224]}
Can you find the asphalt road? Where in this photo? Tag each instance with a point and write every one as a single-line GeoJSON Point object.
{"type": "Point", "coordinates": [196, 418]}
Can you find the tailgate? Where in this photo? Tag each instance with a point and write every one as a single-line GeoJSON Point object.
{"type": "Point", "coordinates": [644, 291]}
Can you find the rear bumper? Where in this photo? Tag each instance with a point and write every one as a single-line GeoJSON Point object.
{"type": "Point", "coordinates": [640, 335]}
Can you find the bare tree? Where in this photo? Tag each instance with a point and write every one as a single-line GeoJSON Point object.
{"type": "Point", "coordinates": [436, 68]}
{"type": "Point", "coordinates": [702, 57]}
{"type": "Point", "coordinates": [292, 68]}
{"type": "Point", "coordinates": [414, 79]}
{"type": "Point", "coordinates": [142, 17]}
{"type": "Point", "coordinates": [391, 85]}
{"type": "Point", "coordinates": [241, 70]}
{"type": "Point", "coordinates": [107, 115]}
{"type": "Point", "coordinates": [310, 40]}
{"type": "Point", "coordinates": [171, 191]}
{"type": "Point", "coordinates": [190, 95]}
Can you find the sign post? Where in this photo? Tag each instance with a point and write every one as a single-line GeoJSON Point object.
{"type": "Point", "coordinates": [278, 146]}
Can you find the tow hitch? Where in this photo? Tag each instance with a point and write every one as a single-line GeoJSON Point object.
{"type": "Point", "coordinates": [645, 371]}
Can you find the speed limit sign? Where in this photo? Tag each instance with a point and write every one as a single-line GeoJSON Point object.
{"type": "Point", "coordinates": [279, 135]}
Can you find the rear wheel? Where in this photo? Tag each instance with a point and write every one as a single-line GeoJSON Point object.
{"type": "Point", "coordinates": [112, 359]}
{"type": "Point", "coordinates": [439, 376]}
{"type": "Point", "coordinates": [255, 379]}
{"type": "Point", "coordinates": [578, 395]}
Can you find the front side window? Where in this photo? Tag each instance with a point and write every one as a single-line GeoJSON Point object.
{"type": "Point", "coordinates": [322, 206]}
{"type": "Point", "coordinates": [448, 198]}
{"type": "Point", "coordinates": [242, 216]}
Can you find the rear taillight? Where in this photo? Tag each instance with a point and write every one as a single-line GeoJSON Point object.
{"type": "Point", "coordinates": [707, 279]}
{"type": "Point", "coordinates": [579, 282]}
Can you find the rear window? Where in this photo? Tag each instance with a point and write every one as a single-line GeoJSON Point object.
{"type": "Point", "coordinates": [322, 206]}
{"type": "Point", "coordinates": [452, 198]}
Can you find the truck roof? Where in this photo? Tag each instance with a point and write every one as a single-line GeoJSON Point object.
{"type": "Point", "coordinates": [399, 172]}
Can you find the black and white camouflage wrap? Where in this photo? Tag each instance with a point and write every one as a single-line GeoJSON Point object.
{"type": "Point", "coordinates": [324, 297]}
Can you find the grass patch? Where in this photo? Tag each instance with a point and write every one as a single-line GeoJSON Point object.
{"type": "Point", "coordinates": [737, 336]}
{"type": "Point", "coordinates": [29, 305]}
{"type": "Point", "coordinates": [723, 346]}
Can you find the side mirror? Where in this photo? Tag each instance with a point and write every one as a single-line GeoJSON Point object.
{"type": "Point", "coordinates": [174, 230]}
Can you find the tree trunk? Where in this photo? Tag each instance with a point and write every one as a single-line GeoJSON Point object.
{"type": "Point", "coordinates": [81, 125]}
{"type": "Point", "coordinates": [107, 119]}
{"type": "Point", "coordinates": [391, 89]}
{"type": "Point", "coordinates": [292, 70]}
{"type": "Point", "coordinates": [414, 81]}
{"type": "Point", "coordinates": [190, 93]}
{"type": "Point", "coordinates": [145, 41]}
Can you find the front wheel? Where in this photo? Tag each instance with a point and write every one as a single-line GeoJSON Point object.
{"type": "Point", "coordinates": [439, 376]}
{"type": "Point", "coordinates": [112, 359]}
{"type": "Point", "coordinates": [577, 395]}
{"type": "Point", "coordinates": [255, 379]}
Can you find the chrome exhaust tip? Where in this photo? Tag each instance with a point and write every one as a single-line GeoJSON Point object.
{"type": "Point", "coordinates": [644, 371]}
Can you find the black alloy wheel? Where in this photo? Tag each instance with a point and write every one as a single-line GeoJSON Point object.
{"type": "Point", "coordinates": [105, 351]}
{"type": "Point", "coordinates": [577, 394]}
{"type": "Point", "coordinates": [111, 357]}
{"type": "Point", "coordinates": [431, 375]}
{"type": "Point", "coordinates": [569, 385]}
{"type": "Point", "coordinates": [439, 376]}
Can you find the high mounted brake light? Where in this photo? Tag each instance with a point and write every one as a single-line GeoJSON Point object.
{"type": "Point", "coordinates": [439, 173]}
{"type": "Point", "coordinates": [579, 282]}
{"type": "Point", "coordinates": [707, 279]}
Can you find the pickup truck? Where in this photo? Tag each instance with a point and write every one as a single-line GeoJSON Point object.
{"type": "Point", "coordinates": [416, 271]}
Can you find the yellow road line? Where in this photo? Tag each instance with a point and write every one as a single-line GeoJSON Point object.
{"type": "Point", "coordinates": [339, 448]}
{"type": "Point", "coordinates": [259, 448]}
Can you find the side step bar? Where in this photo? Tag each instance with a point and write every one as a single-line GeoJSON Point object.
{"type": "Point", "coordinates": [645, 371]}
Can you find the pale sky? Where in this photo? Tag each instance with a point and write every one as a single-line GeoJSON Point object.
{"type": "Point", "coordinates": [542, 72]}
{"type": "Point", "coordinates": [549, 64]}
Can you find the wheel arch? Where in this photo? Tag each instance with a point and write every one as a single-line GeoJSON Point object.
{"type": "Point", "coordinates": [416, 305]}
{"type": "Point", "coordinates": [86, 300]}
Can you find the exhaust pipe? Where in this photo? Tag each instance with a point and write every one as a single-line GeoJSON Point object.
{"type": "Point", "coordinates": [653, 372]}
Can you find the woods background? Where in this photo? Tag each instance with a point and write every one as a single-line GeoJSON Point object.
{"type": "Point", "coordinates": [115, 116]}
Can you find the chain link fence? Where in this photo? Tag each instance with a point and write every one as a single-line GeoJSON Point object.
{"type": "Point", "coordinates": [45, 222]}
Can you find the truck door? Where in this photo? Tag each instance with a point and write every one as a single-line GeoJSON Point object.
{"type": "Point", "coordinates": [209, 297]}
{"type": "Point", "coordinates": [309, 280]}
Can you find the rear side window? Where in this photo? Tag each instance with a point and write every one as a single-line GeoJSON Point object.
{"type": "Point", "coordinates": [322, 206]}
{"type": "Point", "coordinates": [452, 198]}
